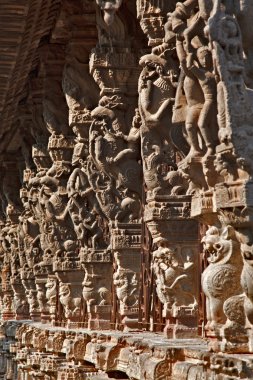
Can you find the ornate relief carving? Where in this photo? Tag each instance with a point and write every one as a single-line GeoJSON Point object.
{"type": "Point", "coordinates": [131, 143]}
{"type": "Point", "coordinates": [225, 262]}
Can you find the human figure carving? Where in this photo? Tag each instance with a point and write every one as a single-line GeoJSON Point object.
{"type": "Point", "coordinates": [133, 141]}
{"type": "Point", "coordinates": [194, 102]}
{"type": "Point", "coordinates": [156, 89]}
{"type": "Point", "coordinates": [105, 142]}
{"type": "Point", "coordinates": [207, 121]}
{"type": "Point", "coordinates": [119, 181]}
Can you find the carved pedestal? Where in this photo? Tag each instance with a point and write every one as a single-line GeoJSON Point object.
{"type": "Point", "coordinates": [21, 305]}
{"type": "Point", "coordinates": [51, 296]}
{"type": "Point", "coordinates": [7, 296]}
{"type": "Point", "coordinates": [41, 281]}
{"type": "Point", "coordinates": [97, 283]}
{"type": "Point", "coordinates": [42, 272]}
{"type": "Point", "coordinates": [28, 282]}
{"type": "Point", "coordinates": [126, 246]}
{"type": "Point", "coordinates": [70, 276]}
{"type": "Point", "coordinates": [175, 262]}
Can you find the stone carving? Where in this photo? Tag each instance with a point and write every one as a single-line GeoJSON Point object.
{"type": "Point", "coordinates": [51, 294]}
{"type": "Point", "coordinates": [156, 87]}
{"type": "Point", "coordinates": [224, 263]}
{"type": "Point", "coordinates": [127, 291]}
{"type": "Point", "coordinates": [71, 305]}
{"type": "Point", "coordinates": [129, 144]}
{"type": "Point", "coordinates": [109, 7]}
{"type": "Point", "coordinates": [174, 276]}
{"type": "Point", "coordinates": [105, 145]}
{"type": "Point", "coordinates": [96, 290]}
{"type": "Point", "coordinates": [170, 273]}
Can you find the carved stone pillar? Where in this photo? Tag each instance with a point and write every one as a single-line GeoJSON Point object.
{"type": "Point", "coordinates": [9, 234]}
{"type": "Point", "coordinates": [228, 244]}
{"type": "Point", "coordinates": [126, 247]}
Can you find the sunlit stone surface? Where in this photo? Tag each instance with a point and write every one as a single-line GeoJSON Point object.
{"type": "Point", "coordinates": [126, 240]}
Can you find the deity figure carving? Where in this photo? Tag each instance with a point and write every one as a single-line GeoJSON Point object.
{"type": "Point", "coordinates": [243, 11]}
{"type": "Point", "coordinates": [103, 136]}
{"type": "Point", "coordinates": [7, 303]}
{"type": "Point", "coordinates": [106, 146]}
{"type": "Point", "coordinates": [224, 31]}
{"type": "Point", "coordinates": [197, 81]}
{"type": "Point", "coordinates": [84, 209]}
{"type": "Point", "coordinates": [32, 299]}
{"type": "Point", "coordinates": [156, 97]}
{"type": "Point", "coordinates": [133, 141]}
{"type": "Point", "coordinates": [207, 117]}
{"type": "Point", "coordinates": [21, 305]}
{"type": "Point", "coordinates": [28, 232]}
{"type": "Point", "coordinates": [55, 208]}
{"type": "Point", "coordinates": [156, 88]}
{"type": "Point", "coordinates": [41, 296]}
{"type": "Point", "coordinates": [109, 198]}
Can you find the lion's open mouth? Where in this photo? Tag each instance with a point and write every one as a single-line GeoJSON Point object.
{"type": "Point", "coordinates": [211, 254]}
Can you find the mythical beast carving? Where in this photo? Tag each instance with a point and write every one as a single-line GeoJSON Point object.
{"type": "Point", "coordinates": [221, 279]}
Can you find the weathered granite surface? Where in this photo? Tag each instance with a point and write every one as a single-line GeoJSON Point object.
{"type": "Point", "coordinates": [126, 228]}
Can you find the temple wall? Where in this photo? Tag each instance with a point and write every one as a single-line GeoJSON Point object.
{"type": "Point", "coordinates": [126, 188]}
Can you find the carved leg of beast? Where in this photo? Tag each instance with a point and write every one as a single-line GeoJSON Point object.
{"type": "Point", "coordinates": [247, 285]}
{"type": "Point", "coordinates": [208, 314]}
{"type": "Point", "coordinates": [233, 333]}
{"type": "Point", "coordinates": [215, 314]}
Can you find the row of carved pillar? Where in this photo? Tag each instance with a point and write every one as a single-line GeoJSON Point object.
{"type": "Point", "coordinates": [118, 139]}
